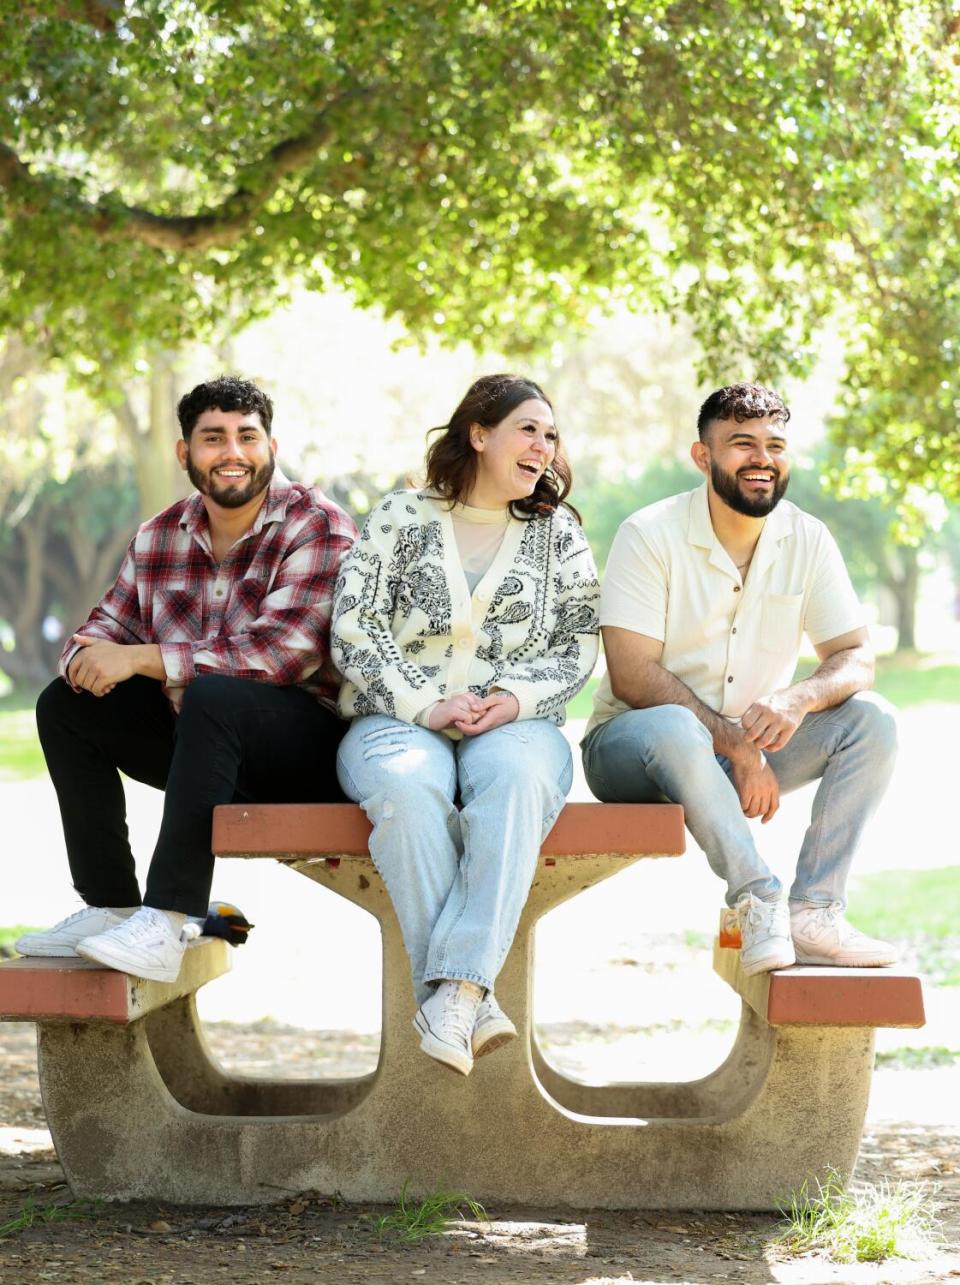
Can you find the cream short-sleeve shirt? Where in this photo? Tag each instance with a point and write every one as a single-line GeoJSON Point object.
{"type": "Point", "coordinates": [730, 641]}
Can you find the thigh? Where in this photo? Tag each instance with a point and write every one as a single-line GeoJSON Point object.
{"type": "Point", "coordinates": [132, 727]}
{"type": "Point", "coordinates": [518, 754]}
{"type": "Point", "coordinates": [626, 757]}
{"type": "Point", "coordinates": [287, 740]}
{"type": "Point", "coordinates": [379, 752]}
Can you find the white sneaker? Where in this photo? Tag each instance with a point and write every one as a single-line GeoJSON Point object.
{"type": "Point", "coordinates": [145, 945]}
{"type": "Point", "coordinates": [822, 935]}
{"type": "Point", "coordinates": [446, 1021]}
{"type": "Point", "coordinates": [61, 941]}
{"type": "Point", "coordinates": [765, 932]}
{"type": "Point", "coordinates": [492, 1029]}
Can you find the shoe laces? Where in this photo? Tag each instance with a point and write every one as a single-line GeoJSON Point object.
{"type": "Point", "coordinates": [145, 922]}
{"type": "Point", "coordinates": [459, 1012]}
{"type": "Point", "coordinates": [76, 916]}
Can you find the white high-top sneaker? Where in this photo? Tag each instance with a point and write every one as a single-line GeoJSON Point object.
{"type": "Point", "coordinates": [446, 1021]}
{"type": "Point", "coordinates": [765, 932]}
{"type": "Point", "coordinates": [822, 935]}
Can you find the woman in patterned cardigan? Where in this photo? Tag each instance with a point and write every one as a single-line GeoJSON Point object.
{"type": "Point", "coordinates": [465, 618]}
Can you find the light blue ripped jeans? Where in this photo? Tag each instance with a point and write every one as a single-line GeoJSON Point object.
{"type": "Point", "coordinates": [458, 880]}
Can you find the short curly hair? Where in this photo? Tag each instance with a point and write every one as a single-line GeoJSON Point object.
{"type": "Point", "coordinates": [226, 392]}
{"type": "Point", "coordinates": [740, 402]}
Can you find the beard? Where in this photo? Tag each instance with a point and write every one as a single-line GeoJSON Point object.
{"type": "Point", "coordinates": [232, 495]}
{"type": "Point", "coordinates": [727, 487]}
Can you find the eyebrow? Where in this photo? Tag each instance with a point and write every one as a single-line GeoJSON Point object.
{"type": "Point", "coordinates": [753, 437]}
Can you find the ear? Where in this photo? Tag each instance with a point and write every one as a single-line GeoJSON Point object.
{"type": "Point", "coordinates": [700, 454]}
{"type": "Point", "coordinates": [182, 451]}
{"type": "Point", "coordinates": [273, 445]}
{"type": "Point", "coordinates": [478, 438]}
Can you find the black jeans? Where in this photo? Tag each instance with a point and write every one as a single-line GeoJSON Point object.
{"type": "Point", "coordinates": [234, 740]}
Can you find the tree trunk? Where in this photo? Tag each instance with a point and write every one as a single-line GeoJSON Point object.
{"type": "Point", "coordinates": [905, 588]}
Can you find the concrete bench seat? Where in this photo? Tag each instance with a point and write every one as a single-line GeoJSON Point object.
{"type": "Point", "coordinates": [139, 1109]}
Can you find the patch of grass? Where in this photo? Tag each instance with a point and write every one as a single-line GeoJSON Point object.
{"type": "Point", "coordinates": [913, 1059]}
{"type": "Point", "coordinates": [862, 1224]}
{"type": "Point", "coordinates": [9, 935]}
{"type": "Point", "coordinates": [414, 1220]}
{"type": "Point", "coordinates": [582, 704]}
{"type": "Point", "coordinates": [20, 753]}
{"type": "Point", "coordinates": [908, 681]}
{"type": "Point", "coordinates": [32, 1213]}
{"type": "Point", "coordinates": [920, 908]}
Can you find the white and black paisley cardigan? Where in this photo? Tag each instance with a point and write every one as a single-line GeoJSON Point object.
{"type": "Point", "coordinates": [406, 631]}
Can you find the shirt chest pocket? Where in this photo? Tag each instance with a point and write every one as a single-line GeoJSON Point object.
{"type": "Point", "coordinates": [780, 622]}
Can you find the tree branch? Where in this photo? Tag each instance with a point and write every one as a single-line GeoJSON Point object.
{"type": "Point", "coordinates": [102, 15]}
{"type": "Point", "coordinates": [220, 225]}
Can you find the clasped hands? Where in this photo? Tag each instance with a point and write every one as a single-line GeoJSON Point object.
{"type": "Point", "coordinates": [472, 714]}
{"type": "Point", "coordinates": [767, 724]}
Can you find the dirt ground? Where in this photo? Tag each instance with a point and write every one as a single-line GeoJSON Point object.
{"type": "Point", "coordinates": [317, 1240]}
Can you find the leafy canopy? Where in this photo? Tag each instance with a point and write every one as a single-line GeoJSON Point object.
{"type": "Point", "coordinates": [494, 172]}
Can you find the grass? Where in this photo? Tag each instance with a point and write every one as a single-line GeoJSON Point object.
{"type": "Point", "coordinates": [9, 935]}
{"type": "Point", "coordinates": [414, 1220]}
{"type": "Point", "coordinates": [32, 1213]}
{"type": "Point", "coordinates": [862, 1224]}
{"type": "Point", "coordinates": [908, 1058]}
{"type": "Point", "coordinates": [918, 907]}
{"type": "Point", "coordinates": [20, 755]}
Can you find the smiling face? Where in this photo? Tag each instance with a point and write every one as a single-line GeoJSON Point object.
{"type": "Point", "coordinates": [512, 456]}
{"type": "Point", "coordinates": [229, 457]}
{"type": "Point", "coordinates": [746, 463]}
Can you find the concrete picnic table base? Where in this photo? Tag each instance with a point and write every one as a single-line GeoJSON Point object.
{"type": "Point", "coordinates": [141, 1111]}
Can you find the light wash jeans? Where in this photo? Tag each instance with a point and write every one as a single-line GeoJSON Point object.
{"type": "Point", "coordinates": [458, 880]}
{"type": "Point", "coordinates": [666, 754]}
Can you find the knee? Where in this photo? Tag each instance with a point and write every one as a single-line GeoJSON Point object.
{"type": "Point", "coordinates": [208, 693]}
{"type": "Point", "coordinates": [876, 723]}
{"type": "Point", "coordinates": [51, 703]}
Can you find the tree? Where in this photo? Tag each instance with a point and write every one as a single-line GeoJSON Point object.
{"type": "Point", "coordinates": [496, 172]}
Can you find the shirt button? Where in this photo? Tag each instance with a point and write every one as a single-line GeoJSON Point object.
{"type": "Point", "coordinates": [734, 629]}
{"type": "Point", "coordinates": [736, 588]}
{"type": "Point", "coordinates": [730, 678]}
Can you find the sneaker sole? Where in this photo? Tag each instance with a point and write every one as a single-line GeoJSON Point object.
{"type": "Point", "coordinates": [441, 1053]}
{"type": "Point", "coordinates": [493, 1037]}
{"type": "Point", "coordinates": [31, 951]}
{"type": "Point", "coordinates": [846, 961]}
{"type": "Point", "coordinates": [103, 955]}
{"type": "Point", "coordinates": [768, 963]}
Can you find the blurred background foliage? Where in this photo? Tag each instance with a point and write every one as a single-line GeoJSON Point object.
{"type": "Point", "coordinates": [364, 204]}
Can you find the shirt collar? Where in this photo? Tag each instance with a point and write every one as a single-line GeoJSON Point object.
{"type": "Point", "coordinates": [779, 525]}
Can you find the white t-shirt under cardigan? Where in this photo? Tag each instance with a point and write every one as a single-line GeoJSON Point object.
{"type": "Point", "coordinates": [731, 641]}
{"type": "Point", "coordinates": [407, 631]}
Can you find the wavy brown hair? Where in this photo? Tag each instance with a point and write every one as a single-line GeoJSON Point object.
{"type": "Point", "coordinates": [451, 465]}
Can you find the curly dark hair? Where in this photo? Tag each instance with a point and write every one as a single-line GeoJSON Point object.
{"type": "Point", "coordinates": [451, 465]}
{"type": "Point", "coordinates": [740, 402]}
{"type": "Point", "coordinates": [226, 392]}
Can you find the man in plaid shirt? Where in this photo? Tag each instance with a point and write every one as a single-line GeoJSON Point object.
{"type": "Point", "coordinates": [204, 671]}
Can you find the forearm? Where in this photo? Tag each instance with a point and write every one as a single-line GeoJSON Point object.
{"type": "Point", "coordinates": [834, 680]}
{"type": "Point", "coordinates": [649, 684]}
{"type": "Point", "coordinates": [148, 661]}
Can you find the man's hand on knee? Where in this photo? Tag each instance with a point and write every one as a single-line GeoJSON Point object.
{"type": "Point", "coordinates": [771, 722]}
{"type": "Point", "coordinates": [101, 664]}
{"type": "Point", "coordinates": [757, 786]}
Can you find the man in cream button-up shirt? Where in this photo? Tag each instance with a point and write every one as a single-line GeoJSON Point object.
{"type": "Point", "coordinates": [705, 602]}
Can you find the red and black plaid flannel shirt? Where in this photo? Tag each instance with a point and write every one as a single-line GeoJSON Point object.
{"type": "Point", "coordinates": [263, 612]}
